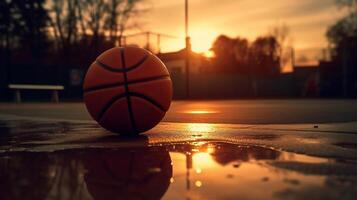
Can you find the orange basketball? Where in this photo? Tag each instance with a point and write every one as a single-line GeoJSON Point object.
{"type": "Point", "coordinates": [127, 90]}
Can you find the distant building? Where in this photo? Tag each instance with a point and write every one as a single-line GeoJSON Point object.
{"type": "Point", "coordinates": [331, 79]}
{"type": "Point", "coordinates": [307, 81]}
{"type": "Point", "coordinates": [176, 62]}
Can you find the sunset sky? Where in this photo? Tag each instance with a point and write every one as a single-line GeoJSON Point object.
{"type": "Point", "coordinates": [307, 19]}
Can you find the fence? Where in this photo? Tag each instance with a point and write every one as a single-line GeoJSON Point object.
{"type": "Point", "coordinates": [220, 86]}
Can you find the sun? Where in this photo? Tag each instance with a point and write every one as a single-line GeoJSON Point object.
{"type": "Point", "coordinates": [202, 39]}
{"type": "Point", "coordinates": [208, 54]}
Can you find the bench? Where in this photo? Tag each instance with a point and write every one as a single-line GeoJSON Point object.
{"type": "Point", "coordinates": [19, 87]}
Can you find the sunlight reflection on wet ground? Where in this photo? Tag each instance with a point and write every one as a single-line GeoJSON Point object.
{"type": "Point", "coordinates": [114, 167]}
{"type": "Point", "coordinates": [199, 112]}
{"type": "Point", "coordinates": [174, 171]}
{"type": "Point", "coordinates": [200, 170]}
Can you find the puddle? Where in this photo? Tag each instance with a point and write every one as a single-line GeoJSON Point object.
{"type": "Point", "coordinates": [197, 170]}
{"type": "Point", "coordinates": [53, 160]}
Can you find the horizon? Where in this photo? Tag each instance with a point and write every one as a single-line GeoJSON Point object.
{"type": "Point", "coordinates": [307, 21]}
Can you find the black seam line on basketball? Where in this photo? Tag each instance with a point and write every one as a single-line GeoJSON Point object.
{"type": "Point", "coordinates": [138, 63]}
{"type": "Point", "coordinates": [117, 84]}
{"type": "Point", "coordinates": [125, 95]}
{"type": "Point", "coordinates": [130, 109]}
{"type": "Point", "coordinates": [109, 104]}
{"type": "Point", "coordinates": [148, 99]}
{"type": "Point", "coordinates": [107, 67]}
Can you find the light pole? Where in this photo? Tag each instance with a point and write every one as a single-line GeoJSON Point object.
{"type": "Point", "coordinates": [188, 51]}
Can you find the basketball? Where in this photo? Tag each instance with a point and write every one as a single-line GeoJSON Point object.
{"type": "Point", "coordinates": [127, 90]}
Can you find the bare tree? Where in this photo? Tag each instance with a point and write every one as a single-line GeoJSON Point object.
{"type": "Point", "coordinates": [282, 35]}
{"type": "Point", "coordinates": [351, 7]}
{"type": "Point", "coordinates": [264, 56]}
{"type": "Point", "coordinates": [91, 24]}
{"type": "Point", "coordinates": [120, 14]}
{"type": "Point", "coordinates": [92, 19]}
{"type": "Point", "coordinates": [112, 19]}
{"type": "Point", "coordinates": [64, 22]}
{"type": "Point", "coordinates": [345, 27]}
{"type": "Point", "coordinates": [6, 30]}
{"type": "Point", "coordinates": [241, 50]}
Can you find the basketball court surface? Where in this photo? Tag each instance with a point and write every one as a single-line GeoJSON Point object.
{"type": "Point", "coordinates": [232, 149]}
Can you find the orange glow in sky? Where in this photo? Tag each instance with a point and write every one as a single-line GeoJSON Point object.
{"type": "Point", "coordinates": [308, 21]}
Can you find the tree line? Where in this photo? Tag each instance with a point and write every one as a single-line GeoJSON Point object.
{"type": "Point", "coordinates": [60, 30]}
{"type": "Point", "coordinates": [42, 32]}
{"type": "Point", "coordinates": [343, 33]}
{"type": "Point", "coordinates": [265, 56]}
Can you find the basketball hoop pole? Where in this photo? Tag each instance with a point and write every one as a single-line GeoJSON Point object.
{"type": "Point", "coordinates": [187, 51]}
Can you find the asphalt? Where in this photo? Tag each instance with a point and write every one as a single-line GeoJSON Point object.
{"type": "Point", "coordinates": [241, 149]}
{"type": "Point", "coordinates": [227, 111]}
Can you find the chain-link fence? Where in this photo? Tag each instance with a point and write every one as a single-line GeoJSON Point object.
{"type": "Point", "coordinates": [155, 42]}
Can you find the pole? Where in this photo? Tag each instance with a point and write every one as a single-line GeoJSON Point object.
{"type": "Point", "coordinates": [344, 70]}
{"type": "Point", "coordinates": [119, 41]}
{"type": "Point", "coordinates": [148, 40]}
{"type": "Point", "coordinates": [186, 18]}
{"type": "Point", "coordinates": [293, 58]}
{"type": "Point", "coordinates": [124, 40]}
{"type": "Point", "coordinates": [158, 44]}
{"type": "Point", "coordinates": [188, 51]}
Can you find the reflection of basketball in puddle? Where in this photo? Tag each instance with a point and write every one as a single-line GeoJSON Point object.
{"type": "Point", "coordinates": [128, 174]}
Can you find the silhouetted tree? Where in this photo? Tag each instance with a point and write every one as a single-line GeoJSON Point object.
{"type": "Point", "coordinates": [241, 53]}
{"type": "Point", "coordinates": [264, 56]}
{"type": "Point", "coordinates": [237, 55]}
{"type": "Point", "coordinates": [344, 28]}
{"type": "Point", "coordinates": [91, 24]}
{"type": "Point", "coordinates": [343, 42]}
{"type": "Point", "coordinates": [6, 29]}
{"type": "Point", "coordinates": [119, 14]}
{"type": "Point", "coordinates": [64, 23]}
{"type": "Point", "coordinates": [231, 54]}
{"type": "Point", "coordinates": [223, 48]}
{"type": "Point", "coordinates": [23, 26]}
{"type": "Point", "coordinates": [31, 26]}
{"type": "Point", "coordinates": [281, 34]}
{"type": "Point", "coordinates": [59, 35]}
{"type": "Point", "coordinates": [94, 13]}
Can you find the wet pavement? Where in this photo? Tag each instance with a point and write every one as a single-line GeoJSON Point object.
{"type": "Point", "coordinates": [202, 170]}
{"type": "Point", "coordinates": [288, 111]}
{"type": "Point", "coordinates": [66, 159]}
